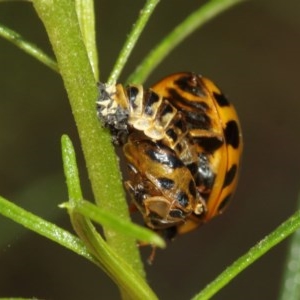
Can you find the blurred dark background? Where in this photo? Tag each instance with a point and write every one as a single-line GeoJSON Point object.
{"type": "Point", "coordinates": [252, 52]}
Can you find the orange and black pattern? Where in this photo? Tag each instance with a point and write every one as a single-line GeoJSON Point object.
{"type": "Point", "coordinates": [182, 141]}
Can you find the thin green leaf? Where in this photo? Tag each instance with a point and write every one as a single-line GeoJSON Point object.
{"type": "Point", "coordinates": [198, 18]}
{"type": "Point", "coordinates": [290, 289]}
{"type": "Point", "coordinates": [279, 234]}
{"type": "Point", "coordinates": [71, 170]}
{"type": "Point", "coordinates": [104, 218]}
{"type": "Point", "coordinates": [28, 47]}
{"type": "Point", "coordinates": [86, 16]}
{"type": "Point", "coordinates": [136, 31]}
{"type": "Point", "coordinates": [43, 227]}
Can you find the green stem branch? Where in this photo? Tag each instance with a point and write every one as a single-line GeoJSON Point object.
{"type": "Point", "coordinates": [28, 47]}
{"type": "Point", "coordinates": [132, 39]}
{"type": "Point", "coordinates": [279, 234]}
{"type": "Point", "coordinates": [44, 228]}
{"type": "Point", "coordinates": [60, 20]}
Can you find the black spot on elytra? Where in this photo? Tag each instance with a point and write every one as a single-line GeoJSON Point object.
{"type": "Point", "coordinates": [231, 133]}
{"type": "Point", "coordinates": [221, 99]}
{"type": "Point", "coordinates": [166, 183]}
{"type": "Point", "coordinates": [198, 120]}
{"type": "Point", "coordinates": [224, 203]}
{"type": "Point", "coordinates": [230, 175]}
{"type": "Point", "coordinates": [195, 112]}
{"type": "Point", "coordinates": [209, 144]}
{"type": "Point", "coordinates": [191, 83]}
{"type": "Point", "coordinates": [177, 99]}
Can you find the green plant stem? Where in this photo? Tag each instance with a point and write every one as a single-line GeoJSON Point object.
{"type": "Point", "coordinates": [198, 18]}
{"type": "Point", "coordinates": [44, 228]}
{"type": "Point", "coordinates": [131, 284]}
{"type": "Point", "coordinates": [136, 31]}
{"type": "Point", "coordinates": [60, 20]}
{"type": "Point", "coordinates": [28, 47]}
{"type": "Point", "coordinates": [279, 234]}
{"type": "Point", "coordinates": [290, 289]}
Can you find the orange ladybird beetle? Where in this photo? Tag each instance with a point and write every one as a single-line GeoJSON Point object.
{"type": "Point", "coordinates": [182, 141]}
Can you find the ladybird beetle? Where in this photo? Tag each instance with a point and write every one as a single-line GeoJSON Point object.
{"type": "Point", "coordinates": [182, 140]}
